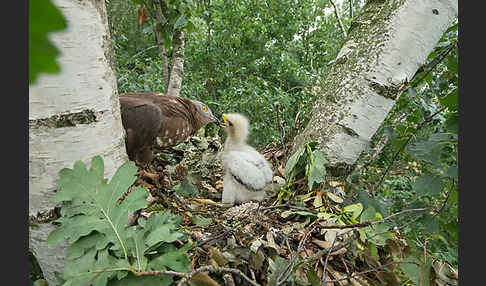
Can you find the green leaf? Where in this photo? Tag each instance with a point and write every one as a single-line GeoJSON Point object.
{"type": "Point", "coordinates": [173, 258]}
{"type": "Point", "coordinates": [201, 221]}
{"type": "Point", "coordinates": [317, 170]}
{"type": "Point", "coordinates": [181, 22]}
{"type": "Point", "coordinates": [130, 280]}
{"type": "Point", "coordinates": [83, 244]}
{"type": "Point", "coordinates": [411, 269]}
{"type": "Point", "coordinates": [312, 277]}
{"type": "Point", "coordinates": [44, 18]}
{"type": "Point", "coordinates": [425, 149]}
{"type": "Point", "coordinates": [164, 233]}
{"type": "Point", "coordinates": [292, 161]}
{"type": "Point", "coordinates": [428, 184]}
{"type": "Point", "coordinates": [431, 224]}
{"type": "Point", "coordinates": [368, 214]}
{"type": "Point", "coordinates": [452, 123]}
{"type": "Point", "coordinates": [452, 172]}
{"type": "Point", "coordinates": [450, 100]}
{"type": "Point", "coordinates": [185, 189]}
{"type": "Point", "coordinates": [354, 209]}
{"type": "Point", "coordinates": [367, 200]}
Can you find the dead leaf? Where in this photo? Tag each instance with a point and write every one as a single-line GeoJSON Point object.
{"type": "Point", "coordinates": [326, 245]}
{"type": "Point", "coordinates": [207, 202]}
{"type": "Point", "coordinates": [281, 171]}
{"type": "Point", "coordinates": [334, 197]}
{"type": "Point", "coordinates": [219, 185]}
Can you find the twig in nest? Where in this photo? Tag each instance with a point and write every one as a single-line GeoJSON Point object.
{"type": "Point", "coordinates": [371, 270]}
{"type": "Point", "coordinates": [325, 262]}
{"type": "Point", "coordinates": [288, 270]}
{"type": "Point", "coordinates": [188, 276]}
{"type": "Point", "coordinates": [369, 223]}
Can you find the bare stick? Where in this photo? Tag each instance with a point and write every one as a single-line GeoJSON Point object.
{"type": "Point", "coordinates": [279, 123]}
{"type": "Point", "coordinates": [368, 271]}
{"type": "Point", "coordinates": [188, 276]}
{"type": "Point", "coordinates": [336, 12]}
{"type": "Point", "coordinates": [288, 270]}
{"type": "Point", "coordinates": [324, 281]}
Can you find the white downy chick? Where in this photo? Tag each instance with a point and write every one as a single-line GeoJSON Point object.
{"type": "Point", "coordinates": [247, 172]}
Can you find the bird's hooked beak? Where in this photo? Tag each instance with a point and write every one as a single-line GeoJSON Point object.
{"type": "Point", "coordinates": [225, 122]}
{"type": "Point", "coordinates": [216, 120]}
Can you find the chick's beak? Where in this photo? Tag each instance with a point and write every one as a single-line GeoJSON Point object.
{"type": "Point", "coordinates": [223, 124]}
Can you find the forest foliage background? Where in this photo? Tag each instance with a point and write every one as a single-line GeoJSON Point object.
{"type": "Point", "coordinates": [248, 56]}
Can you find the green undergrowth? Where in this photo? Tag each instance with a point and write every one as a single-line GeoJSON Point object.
{"type": "Point", "coordinates": [103, 251]}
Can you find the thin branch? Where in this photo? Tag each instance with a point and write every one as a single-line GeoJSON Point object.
{"type": "Point", "coordinates": [351, 9]}
{"type": "Point", "coordinates": [447, 198]}
{"type": "Point", "coordinates": [279, 124]}
{"type": "Point", "coordinates": [336, 12]}
{"type": "Point", "coordinates": [440, 58]}
{"type": "Point", "coordinates": [288, 270]}
{"type": "Point", "coordinates": [353, 276]}
{"type": "Point", "coordinates": [324, 282]}
{"type": "Point", "coordinates": [370, 223]}
{"type": "Point", "coordinates": [188, 276]}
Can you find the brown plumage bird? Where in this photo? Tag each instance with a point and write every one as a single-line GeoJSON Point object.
{"type": "Point", "coordinates": [147, 116]}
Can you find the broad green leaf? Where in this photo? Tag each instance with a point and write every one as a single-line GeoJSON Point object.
{"type": "Point", "coordinates": [130, 280]}
{"type": "Point", "coordinates": [317, 170]}
{"type": "Point", "coordinates": [292, 161]}
{"type": "Point", "coordinates": [365, 199]}
{"type": "Point", "coordinates": [83, 244]}
{"type": "Point", "coordinates": [354, 209]}
{"type": "Point", "coordinates": [275, 268]}
{"type": "Point", "coordinates": [44, 18]}
{"type": "Point", "coordinates": [312, 277]}
{"type": "Point", "coordinates": [452, 123]}
{"type": "Point", "coordinates": [452, 172]}
{"type": "Point", "coordinates": [411, 269]}
{"type": "Point", "coordinates": [201, 221]}
{"type": "Point", "coordinates": [431, 224]}
{"type": "Point", "coordinates": [450, 100]}
{"type": "Point", "coordinates": [164, 233]}
{"type": "Point", "coordinates": [180, 23]}
{"type": "Point", "coordinates": [425, 149]}
{"type": "Point", "coordinates": [173, 258]}
{"type": "Point", "coordinates": [428, 184]}
{"type": "Point", "coordinates": [302, 213]}
{"type": "Point", "coordinates": [368, 214]}
{"type": "Point", "coordinates": [185, 189]}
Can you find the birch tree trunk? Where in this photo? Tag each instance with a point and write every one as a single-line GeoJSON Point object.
{"type": "Point", "coordinates": [177, 70]}
{"type": "Point", "coordinates": [73, 115]}
{"type": "Point", "coordinates": [386, 45]}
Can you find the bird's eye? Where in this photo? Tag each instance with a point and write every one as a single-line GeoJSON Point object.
{"type": "Point", "coordinates": [204, 108]}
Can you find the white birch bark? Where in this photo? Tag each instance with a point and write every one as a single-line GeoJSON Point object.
{"type": "Point", "coordinates": [177, 70]}
{"type": "Point", "coordinates": [386, 45]}
{"type": "Point", "coordinates": [85, 85]}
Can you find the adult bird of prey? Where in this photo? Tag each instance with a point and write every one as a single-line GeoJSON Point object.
{"type": "Point", "coordinates": [147, 116]}
{"type": "Point", "coordinates": [247, 172]}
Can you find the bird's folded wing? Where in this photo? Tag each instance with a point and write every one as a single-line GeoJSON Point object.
{"type": "Point", "coordinates": [248, 168]}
